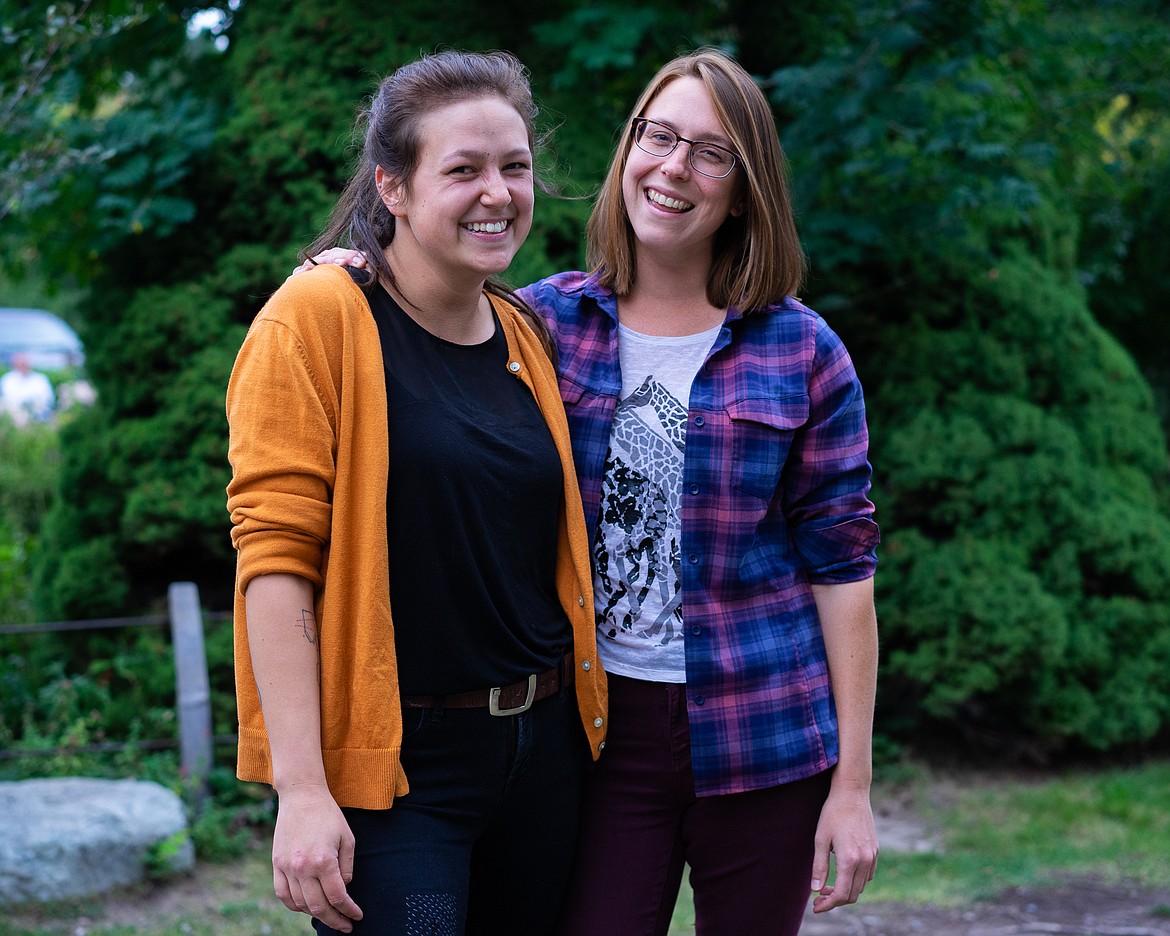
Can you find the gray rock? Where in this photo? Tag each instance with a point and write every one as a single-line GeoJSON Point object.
{"type": "Point", "coordinates": [70, 837]}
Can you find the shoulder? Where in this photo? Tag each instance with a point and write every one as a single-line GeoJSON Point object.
{"type": "Point", "coordinates": [566, 282]}
{"type": "Point", "coordinates": [789, 313]}
{"type": "Point", "coordinates": [790, 322]}
{"type": "Point", "coordinates": [570, 300]}
{"type": "Point", "coordinates": [314, 316]}
{"type": "Point", "coordinates": [570, 286]}
{"type": "Point", "coordinates": [315, 300]}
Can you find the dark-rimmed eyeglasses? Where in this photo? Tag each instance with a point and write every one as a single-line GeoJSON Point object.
{"type": "Point", "coordinates": [657, 139]}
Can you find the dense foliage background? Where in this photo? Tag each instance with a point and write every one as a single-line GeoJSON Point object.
{"type": "Point", "coordinates": [982, 189]}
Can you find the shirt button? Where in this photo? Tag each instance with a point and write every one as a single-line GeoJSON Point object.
{"type": "Point", "coordinates": [693, 558]}
{"type": "Point", "coordinates": [694, 489]}
{"type": "Point", "coordinates": [514, 367]}
{"type": "Point", "coordinates": [696, 630]}
{"type": "Point", "coordinates": [597, 723]}
{"type": "Point", "coordinates": [699, 420]}
{"type": "Point", "coordinates": [699, 700]}
{"type": "Point", "coordinates": [584, 664]}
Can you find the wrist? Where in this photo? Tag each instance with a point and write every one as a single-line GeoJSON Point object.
{"type": "Point", "coordinates": [302, 788]}
{"type": "Point", "coordinates": [852, 780]}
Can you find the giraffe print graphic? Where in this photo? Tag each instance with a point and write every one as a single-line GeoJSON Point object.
{"type": "Point", "coordinates": [637, 546]}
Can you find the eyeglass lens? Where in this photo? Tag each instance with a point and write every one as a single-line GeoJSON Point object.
{"type": "Point", "coordinates": [707, 158]}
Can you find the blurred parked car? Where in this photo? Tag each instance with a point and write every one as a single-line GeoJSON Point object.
{"type": "Point", "coordinates": [49, 342]}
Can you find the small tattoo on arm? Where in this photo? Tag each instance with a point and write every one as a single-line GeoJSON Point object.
{"type": "Point", "coordinates": [308, 627]}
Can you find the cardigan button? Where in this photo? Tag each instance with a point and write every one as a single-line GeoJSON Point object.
{"type": "Point", "coordinates": [585, 664]}
{"type": "Point", "coordinates": [514, 367]}
{"type": "Point", "coordinates": [597, 722]}
{"type": "Point", "coordinates": [581, 600]}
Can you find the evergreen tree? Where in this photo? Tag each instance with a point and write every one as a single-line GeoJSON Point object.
{"type": "Point", "coordinates": [221, 167]}
{"type": "Point", "coordinates": [1024, 592]}
{"type": "Point", "coordinates": [966, 240]}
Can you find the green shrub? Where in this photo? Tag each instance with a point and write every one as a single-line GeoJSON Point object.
{"type": "Point", "coordinates": [29, 462]}
{"type": "Point", "coordinates": [162, 856]}
{"type": "Point", "coordinates": [1023, 590]}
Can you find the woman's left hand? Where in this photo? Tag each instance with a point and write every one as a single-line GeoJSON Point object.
{"type": "Point", "coordinates": [846, 829]}
{"type": "Point", "coordinates": [340, 256]}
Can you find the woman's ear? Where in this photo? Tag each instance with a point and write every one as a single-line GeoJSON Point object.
{"type": "Point", "coordinates": [389, 191]}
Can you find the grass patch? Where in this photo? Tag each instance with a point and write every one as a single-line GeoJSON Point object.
{"type": "Point", "coordinates": [1003, 833]}
{"type": "Point", "coordinates": [995, 832]}
{"type": "Point", "coordinates": [998, 832]}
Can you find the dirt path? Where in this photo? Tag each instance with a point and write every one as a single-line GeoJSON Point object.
{"type": "Point", "coordinates": [1083, 907]}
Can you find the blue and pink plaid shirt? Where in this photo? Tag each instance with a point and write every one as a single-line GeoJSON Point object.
{"type": "Point", "coordinates": [774, 498]}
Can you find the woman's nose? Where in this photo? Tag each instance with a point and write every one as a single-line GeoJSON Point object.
{"type": "Point", "coordinates": [678, 162]}
{"type": "Point", "coordinates": [495, 191]}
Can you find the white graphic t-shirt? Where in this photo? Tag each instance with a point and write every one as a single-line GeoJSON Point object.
{"type": "Point", "coordinates": [637, 582]}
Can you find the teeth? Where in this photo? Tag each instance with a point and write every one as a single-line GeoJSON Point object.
{"type": "Point", "coordinates": [488, 227]}
{"type": "Point", "coordinates": [659, 199]}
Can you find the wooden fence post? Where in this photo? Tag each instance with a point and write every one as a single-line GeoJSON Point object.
{"type": "Point", "coordinates": [192, 687]}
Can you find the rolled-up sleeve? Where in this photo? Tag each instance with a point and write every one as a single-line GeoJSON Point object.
{"type": "Point", "coordinates": [282, 451]}
{"type": "Point", "coordinates": [827, 476]}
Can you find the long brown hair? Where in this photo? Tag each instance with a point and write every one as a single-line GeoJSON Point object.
{"type": "Point", "coordinates": [757, 259]}
{"type": "Point", "coordinates": [388, 124]}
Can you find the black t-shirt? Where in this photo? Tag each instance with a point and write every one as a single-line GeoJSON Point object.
{"type": "Point", "coordinates": [474, 496]}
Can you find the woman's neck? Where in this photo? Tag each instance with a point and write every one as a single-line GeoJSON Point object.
{"type": "Point", "coordinates": [669, 300]}
{"type": "Point", "coordinates": [462, 315]}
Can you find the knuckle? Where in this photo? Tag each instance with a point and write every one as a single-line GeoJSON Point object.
{"type": "Point", "coordinates": [304, 864]}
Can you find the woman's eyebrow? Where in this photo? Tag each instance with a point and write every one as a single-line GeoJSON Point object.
{"type": "Point", "coordinates": [714, 136]}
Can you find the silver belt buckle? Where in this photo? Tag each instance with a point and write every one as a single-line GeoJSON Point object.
{"type": "Point", "coordinates": [494, 700]}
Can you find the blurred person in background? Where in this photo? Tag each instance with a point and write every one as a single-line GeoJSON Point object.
{"type": "Point", "coordinates": [26, 395]}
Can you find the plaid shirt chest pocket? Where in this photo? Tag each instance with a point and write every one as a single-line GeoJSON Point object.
{"type": "Point", "coordinates": [762, 435]}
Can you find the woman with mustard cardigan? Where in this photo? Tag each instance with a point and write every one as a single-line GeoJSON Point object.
{"type": "Point", "coordinates": [414, 619]}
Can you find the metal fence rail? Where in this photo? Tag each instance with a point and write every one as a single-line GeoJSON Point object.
{"type": "Point", "coordinates": [192, 685]}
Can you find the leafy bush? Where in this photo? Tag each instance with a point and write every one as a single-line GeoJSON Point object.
{"type": "Point", "coordinates": [1024, 592]}
{"type": "Point", "coordinates": [225, 828]}
{"type": "Point", "coordinates": [59, 695]}
{"type": "Point", "coordinates": [29, 463]}
{"type": "Point", "coordinates": [955, 191]}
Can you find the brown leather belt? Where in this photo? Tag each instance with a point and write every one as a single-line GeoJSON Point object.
{"type": "Point", "coordinates": [504, 700]}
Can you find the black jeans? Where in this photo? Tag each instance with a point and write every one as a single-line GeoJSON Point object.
{"type": "Point", "coordinates": [483, 842]}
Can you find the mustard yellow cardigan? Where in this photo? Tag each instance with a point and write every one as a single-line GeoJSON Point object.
{"type": "Point", "coordinates": [306, 408]}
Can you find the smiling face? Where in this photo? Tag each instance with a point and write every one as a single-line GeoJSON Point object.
{"type": "Point", "coordinates": [674, 210]}
{"type": "Point", "coordinates": [468, 205]}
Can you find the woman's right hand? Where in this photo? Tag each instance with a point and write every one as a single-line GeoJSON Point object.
{"type": "Point", "coordinates": [340, 256]}
{"type": "Point", "coordinates": [312, 856]}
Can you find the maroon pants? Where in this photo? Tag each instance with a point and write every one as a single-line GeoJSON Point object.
{"type": "Point", "coordinates": [750, 854]}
